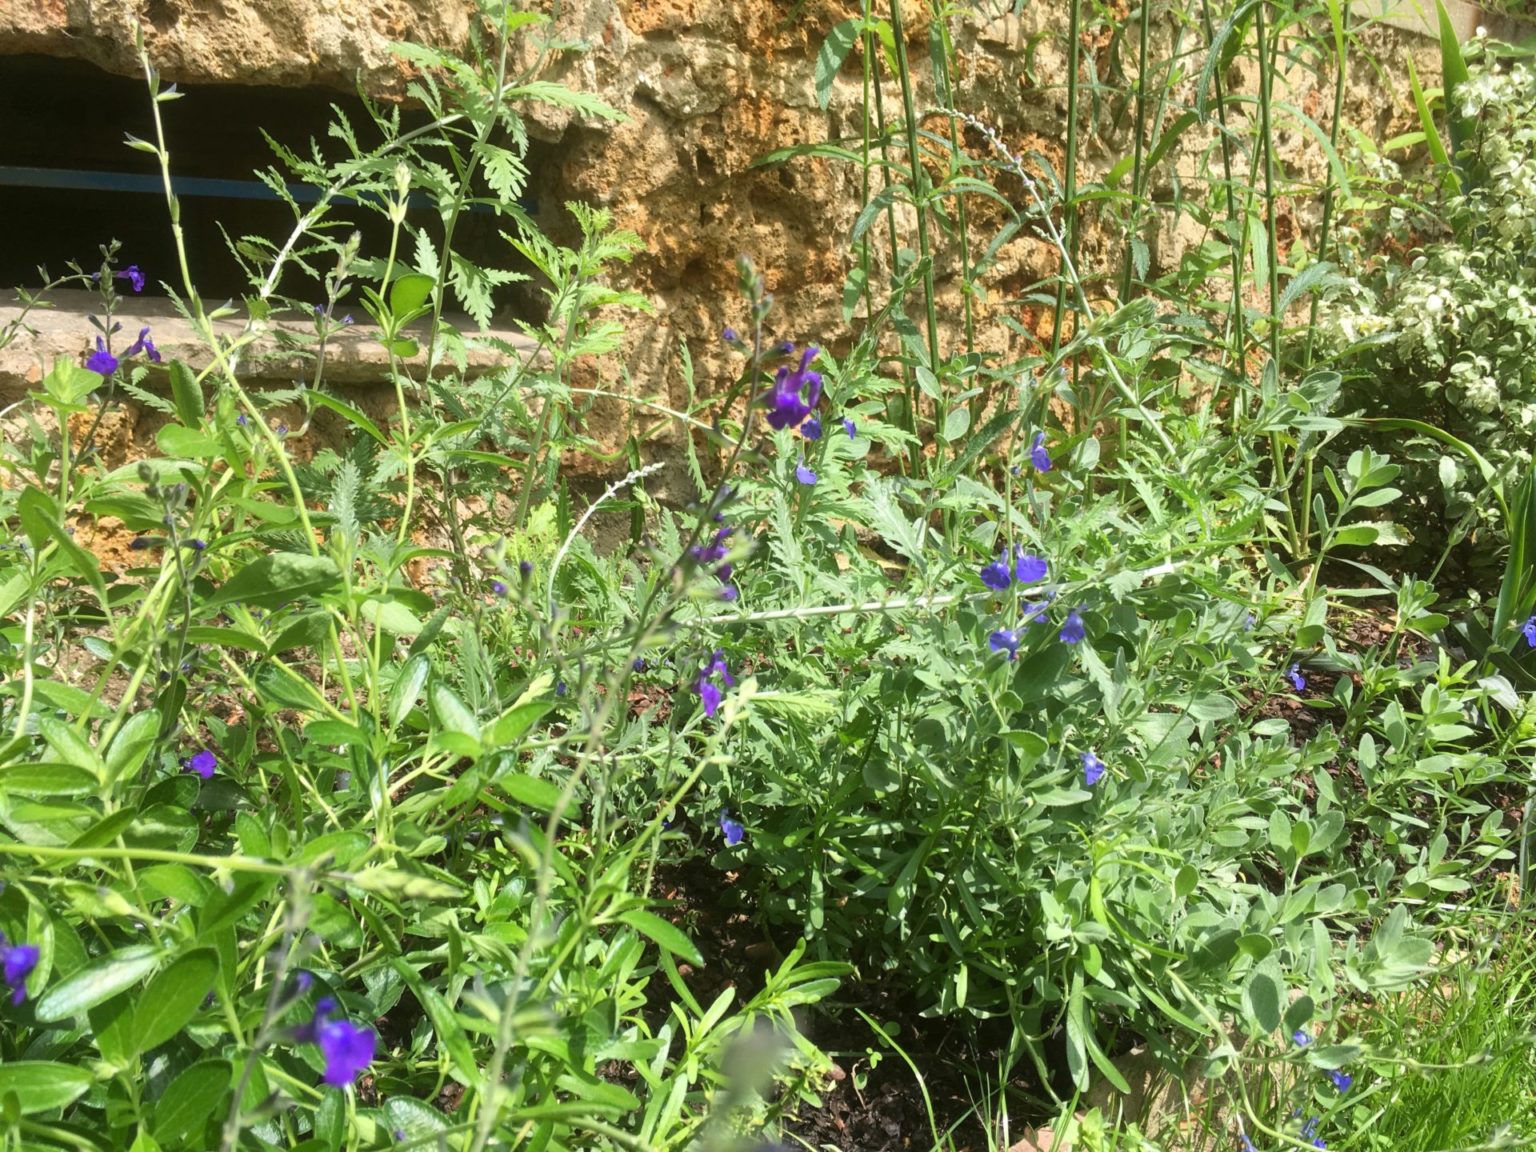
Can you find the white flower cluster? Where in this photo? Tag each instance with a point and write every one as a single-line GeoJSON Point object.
{"type": "Point", "coordinates": [1456, 319]}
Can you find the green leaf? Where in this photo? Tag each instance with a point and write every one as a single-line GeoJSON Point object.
{"type": "Point", "coordinates": [41, 1085]}
{"type": "Point", "coordinates": [957, 423]}
{"type": "Point", "coordinates": [69, 746]}
{"type": "Point", "coordinates": [187, 394]}
{"type": "Point", "coordinates": [659, 932]}
{"type": "Point", "coordinates": [47, 780]}
{"type": "Point", "coordinates": [1432, 139]}
{"type": "Point", "coordinates": [409, 293]}
{"type": "Point", "coordinates": [414, 1118]}
{"type": "Point", "coordinates": [190, 1100]}
{"type": "Point", "coordinates": [101, 980]}
{"type": "Point", "coordinates": [407, 690]}
{"type": "Point", "coordinates": [277, 579]}
{"type": "Point", "coordinates": [390, 616]}
{"type": "Point", "coordinates": [40, 520]}
{"type": "Point", "coordinates": [508, 729]}
{"type": "Point", "coordinates": [226, 908]}
{"type": "Point", "coordinates": [529, 790]}
{"type": "Point", "coordinates": [173, 998]}
{"type": "Point", "coordinates": [1261, 996]}
{"type": "Point", "coordinates": [829, 59]}
{"type": "Point", "coordinates": [132, 744]}
{"type": "Point", "coordinates": [180, 443]}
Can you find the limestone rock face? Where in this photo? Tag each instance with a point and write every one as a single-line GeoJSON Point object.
{"type": "Point", "coordinates": [237, 41]}
{"type": "Point", "coordinates": [711, 86]}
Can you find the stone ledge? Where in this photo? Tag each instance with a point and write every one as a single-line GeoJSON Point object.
{"type": "Point", "coordinates": [354, 356]}
{"type": "Point", "coordinates": [1419, 16]}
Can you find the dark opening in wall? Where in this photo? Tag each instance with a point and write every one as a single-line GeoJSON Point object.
{"type": "Point", "coordinates": [69, 183]}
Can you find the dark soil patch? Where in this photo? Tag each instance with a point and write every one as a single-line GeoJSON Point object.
{"type": "Point", "coordinates": [863, 1108]}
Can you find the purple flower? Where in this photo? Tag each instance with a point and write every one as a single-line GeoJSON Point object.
{"type": "Point", "coordinates": [715, 550]}
{"type": "Point", "coordinates": [347, 1049]}
{"type": "Point", "coordinates": [101, 361]}
{"type": "Point", "coordinates": [714, 675]}
{"type": "Point", "coordinates": [1028, 569]}
{"type": "Point", "coordinates": [1038, 456]}
{"type": "Point", "coordinates": [811, 429]}
{"type": "Point", "coordinates": [1093, 768]}
{"type": "Point", "coordinates": [997, 574]}
{"type": "Point", "coordinates": [1301, 1038]}
{"type": "Point", "coordinates": [347, 321]}
{"type": "Point", "coordinates": [1293, 674]}
{"type": "Point", "coordinates": [1528, 630]}
{"type": "Point", "coordinates": [850, 427]}
{"type": "Point", "coordinates": [794, 394]}
{"type": "Point", "coordinates": [498, 588]}
{"type": "Point", "coordinates": [525, 568]}
{"type": "Point", "coordinates": [1341, 1080]}
{"type": "Point", "coordinates": [1072, 630]}
{"type": "Point", "coordinates": [1005, 640]}
{"type": "Point", "coordinates": [729, 593]}
{"type": "Point", "coordinates": [803, 474]}
{"type": "Point", "coordinates": [729, 336]}
{"type": "Point", "coordinates": [203, 763]}
{"type": "Point", "coordinates": [145, 345]}
{"type": "Point", "coordinates": [1247, 1143]}
{"type": "Point", "coordinates": [133, 276]}
{"type": "Point", "coordinates": [16, 964]}
{"type": "Point", "coordinates": [731, 829]}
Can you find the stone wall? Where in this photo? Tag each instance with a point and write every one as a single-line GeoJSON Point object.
{"type": "Point", "coordinates": [708, 87]}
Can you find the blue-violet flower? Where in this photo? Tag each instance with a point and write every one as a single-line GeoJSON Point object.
{"type": "Point", "coordinates": [1005, 640]}
{"type": "Point", "coordinates": [731, 829]}
{"type": "Point", "coordinates": [1072, 630]}
{"type": "Point", "coordinates": [347, 1049]}
{"type": "Point", "coordinates": [203, 763]}
{"type": "Point", "coordinates": [16, 964]}
{"type": "Point", "coordinates": [1028, 569]}
{"type": "Point", "coordinates": [1093, 768]}
{"type": "Point", "coordinates": [794, 394]}
{"type": "Point", "coordinates": [1038, 456]}
{"type": "Point", "coordinates": [811, 429]}
{"type": "Point", "coordinates": [998, 574]}
{"type": "Point", "coordinates": [709, 689]}
{"type": "Point", "coordinates": [1293, 674]}
{"type": "Point", "coordinates": [101, 362]}
{"type": "Point", "coordinates": [803, 474]}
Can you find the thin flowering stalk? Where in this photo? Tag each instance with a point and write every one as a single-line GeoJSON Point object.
{"type": "Point", "coordinates": [895, 604]}
{"type": "Point", "coordinates": [609, 493]}
{"type": "Point", "coordinates": [1069, 270]}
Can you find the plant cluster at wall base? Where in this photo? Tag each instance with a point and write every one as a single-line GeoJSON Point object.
{"type": "Point", "coordinates": [1435, 317]}
{"type": "Point", "coordinates": [983, 743]}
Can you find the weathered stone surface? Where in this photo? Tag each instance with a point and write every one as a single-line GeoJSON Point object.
{"type": "Point", "coordinates": [353, 357]}
{"type": "Point", "coordinates": [246, 41]}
